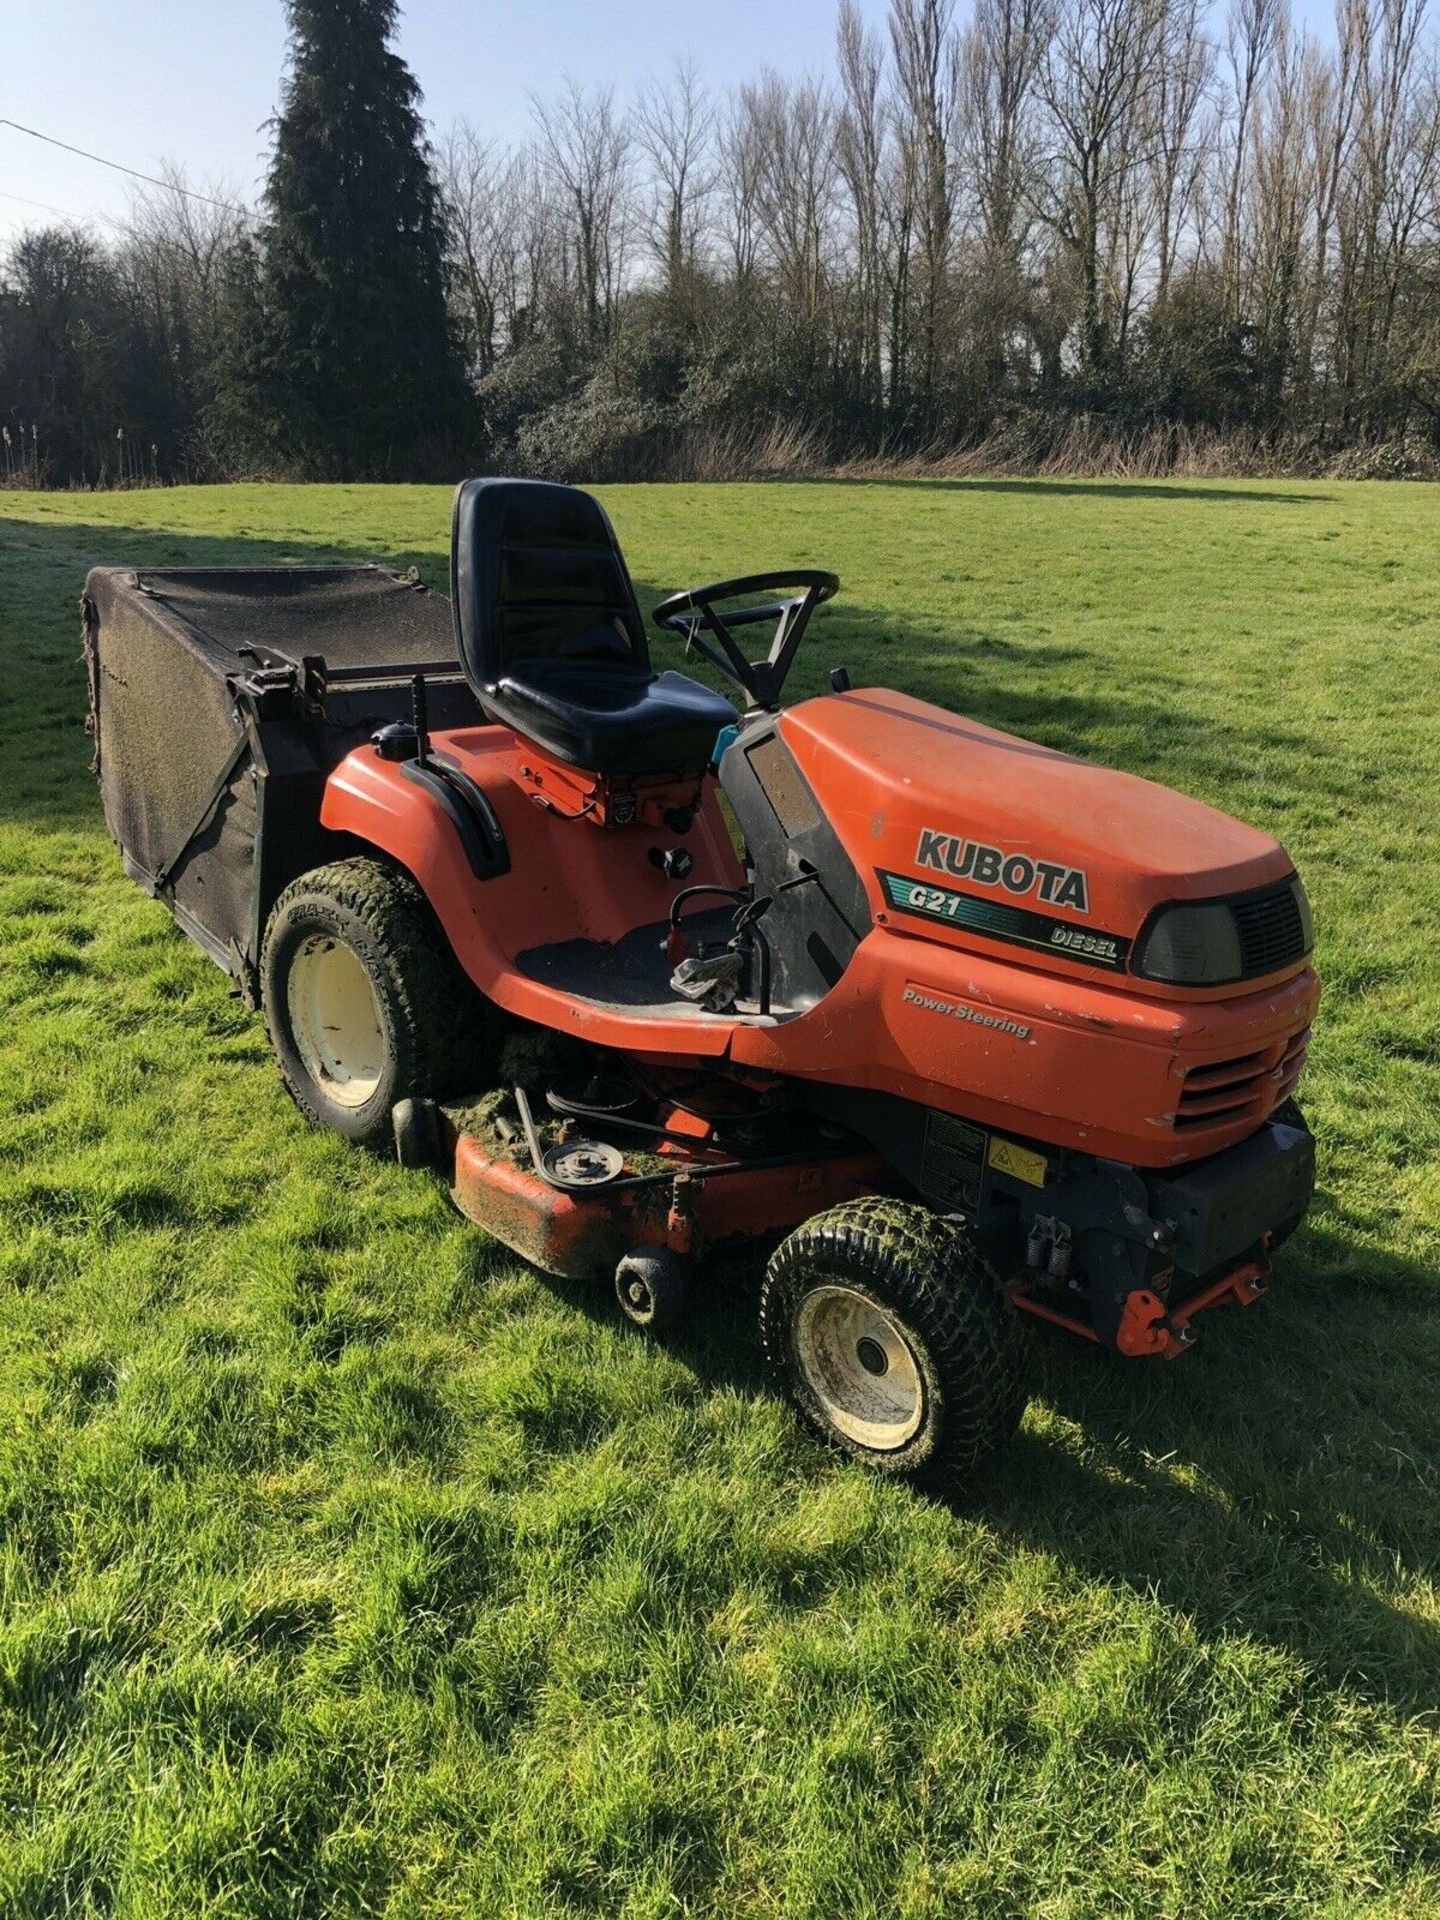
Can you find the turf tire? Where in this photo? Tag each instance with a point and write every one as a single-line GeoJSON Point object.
{"type": "Point", "coordinates": [435, 1028]}
{"type": "Point", "coordinates": [924, 1274]}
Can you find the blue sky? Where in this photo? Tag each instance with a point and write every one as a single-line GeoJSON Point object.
{"type": "Point", "coordinates": [142, 80]}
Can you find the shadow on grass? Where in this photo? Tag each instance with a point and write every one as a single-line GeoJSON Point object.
{"type": "Point", "coordinates": [1280, 1489]}
{"type": "Point", "coordinates": [1198, 492]}
{"type": "Point", "coordinates": [1251, 1492]}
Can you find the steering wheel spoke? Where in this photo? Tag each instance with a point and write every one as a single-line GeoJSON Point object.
{"type": "Point", "coordinates": [694, 615]}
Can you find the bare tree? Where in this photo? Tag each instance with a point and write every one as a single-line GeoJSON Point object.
{"type": "Point", "coordinates": [171, 265]}
{"type": "Point", "coordinates": [927, 87]}
{"type": "Point", "coordinates": [1282, 188]}
{"type": "Point", "coordinates": [675, 133]}
{"type": "Point", "coordinates": [1099, 79]}
{"type": "Point", "coordinates": [175, 248]}
{"type": "Point", "coordinates": [1331, 100]}
{"type": "Point", "coordinates": [1252, 30]}
{"type": "Point", "coordinates": [1003, 49]}
{"type": "Point", "coordinates": [793, 127]}
{"type": "Point", "coordinates": [502, 231]}
{"type": "Point", "coordinates": [860, 155]}
{"type": "Point", "coordinates": [1394, 184]}
{"type": "Point", "coordinates": [586, 148]}
{"type": "Point", "coordinates": [1128, 245]}
{"type": "Point", "coordinates": [740, 158]}
{"type": "Point", "coordinates": [193, 231]}
{"type": "Point", "coordinates": [1184, 132]}
{"type": "Point", "coordinates": [899, 208]}
{"type": "Point", "coordinates": [469, 172]}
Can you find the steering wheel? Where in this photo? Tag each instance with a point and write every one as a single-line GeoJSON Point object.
{"type": "Point", "coordinates": [694, 615]}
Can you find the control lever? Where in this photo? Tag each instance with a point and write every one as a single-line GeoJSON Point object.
{"type": "Point", "coordinates": [420, 719]}
{"type": "Point", "coordinates": [747, 921]}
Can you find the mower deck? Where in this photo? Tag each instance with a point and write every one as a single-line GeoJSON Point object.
{"type": "Point", "coordinates": [681, 1181]}
{"type": "Point", "coordinates": [593, 1166]}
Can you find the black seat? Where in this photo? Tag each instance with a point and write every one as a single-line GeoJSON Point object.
{"type": "Point", "coordinates": [551, 639]}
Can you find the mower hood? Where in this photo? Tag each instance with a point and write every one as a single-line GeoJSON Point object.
{"type": "Point", "coordinates": [920, 795]}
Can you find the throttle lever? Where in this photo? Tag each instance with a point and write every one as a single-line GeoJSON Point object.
{"type": "Point", "coordinates": [755, 910]}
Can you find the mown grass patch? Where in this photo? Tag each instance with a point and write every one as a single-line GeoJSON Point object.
{"type": "Point", "coordinates": [346, 1566]}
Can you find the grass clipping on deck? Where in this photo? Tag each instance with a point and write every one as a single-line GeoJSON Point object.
{"type": "Point", "coordinates": [536, 1060]}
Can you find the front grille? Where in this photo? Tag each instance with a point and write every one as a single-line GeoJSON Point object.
{"type": "Point", "coordinates": [1250, 1086]}
{"type": "Point", "coordinates": [1271, 929]}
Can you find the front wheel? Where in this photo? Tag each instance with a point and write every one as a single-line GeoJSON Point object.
{"type": "Point", "coordinates": [366, 1005]}
{"type": "Point", "coordinates": [888, 1331]}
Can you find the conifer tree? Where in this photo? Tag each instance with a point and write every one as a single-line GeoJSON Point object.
{"type": "Point", "coordinates": [356, 369]}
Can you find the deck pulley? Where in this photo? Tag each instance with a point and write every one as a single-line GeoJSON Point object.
{"type": "Point", "coordinates": [583, 1163]}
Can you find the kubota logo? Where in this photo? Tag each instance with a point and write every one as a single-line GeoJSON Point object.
{"type": "Point", "coordinates": [1017, 873]}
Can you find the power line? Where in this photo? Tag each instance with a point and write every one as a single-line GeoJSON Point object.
{"type": "Point", "coordinates": [64, 212]}
{"type": "Point", "coordinates": [100, 160]}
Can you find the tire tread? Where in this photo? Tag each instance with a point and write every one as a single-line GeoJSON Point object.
{"type": "Point", "coordinates": [442, 1025]}
{"type": "Point", "coordinates": [932, 1272]}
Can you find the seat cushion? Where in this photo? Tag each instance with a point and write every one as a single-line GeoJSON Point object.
{"type": "Point", "coordinates": [536, 572]}
{"type": "Point", "coordinates": [611, 717]}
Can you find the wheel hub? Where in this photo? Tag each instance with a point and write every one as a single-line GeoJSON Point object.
{"type": "Point", "coordinates": [335, 1020]}
{"type": "Point", "coordinates": [862, 1364]}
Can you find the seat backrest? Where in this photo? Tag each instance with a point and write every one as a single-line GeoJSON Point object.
{"type": "Point", "coordinates": [536, 573]}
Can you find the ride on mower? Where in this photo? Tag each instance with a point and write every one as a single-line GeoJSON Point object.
{"type": "Point", "coordinates": [972, 1029]}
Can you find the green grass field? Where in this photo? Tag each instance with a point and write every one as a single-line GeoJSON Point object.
{"type": "Point", "coordinates": [347, 1566]}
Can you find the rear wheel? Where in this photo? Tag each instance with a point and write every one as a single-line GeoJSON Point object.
{"type": "Point", "coordinates": [888, 1331]}
{"type": "Point", "coordinates": [365, 1002]}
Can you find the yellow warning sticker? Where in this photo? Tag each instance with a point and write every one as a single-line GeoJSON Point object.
{"type": "Point", "coordinates": [1006, 1157]}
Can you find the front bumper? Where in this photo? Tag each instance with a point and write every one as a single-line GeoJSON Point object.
{"type": "Point", "coordinates": [1153, 1252]}
{"type": "Point", "coordinates": [1220, 1208]}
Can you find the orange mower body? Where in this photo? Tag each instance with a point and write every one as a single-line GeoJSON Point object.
{"type": "Point", "coordinates": [978, 1030]}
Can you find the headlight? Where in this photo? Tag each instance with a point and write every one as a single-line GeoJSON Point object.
{"type": "Point", "coordinates": [1212, 943]}
{"type": "Point", "coordinates": [1191, 946]}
